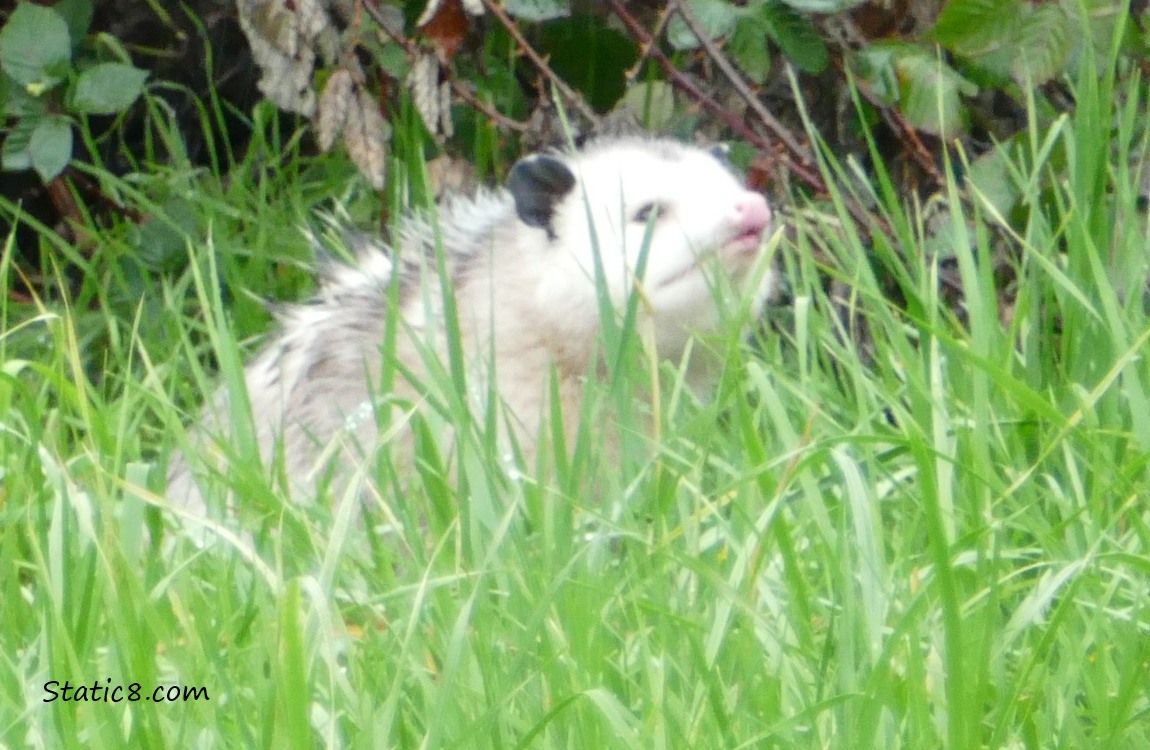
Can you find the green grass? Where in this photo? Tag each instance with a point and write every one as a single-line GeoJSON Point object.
{"type": "Point", "coordinates": [946, 547]}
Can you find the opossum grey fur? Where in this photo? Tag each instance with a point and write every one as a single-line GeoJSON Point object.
{"type": "Point", "coordinates": [521, 264]}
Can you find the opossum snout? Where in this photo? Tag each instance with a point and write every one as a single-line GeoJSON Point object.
{"type": "Point", "coordinates": [751, 215]}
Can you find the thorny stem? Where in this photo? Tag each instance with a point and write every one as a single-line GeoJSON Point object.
{"type": "Point", "coordinates": [893, 118]}
{"type": "Point", "coordinates": [497, 10]}
{"type": "Point", "coordinates": [683, 82]}
{"type": "Point", "coordinates": [777, 129]}
{"type": "Point", "coordinates": [896, 122]}
{"type": "Point", "coordinates": [460, 89]}
{"type": "Point", "coordinates": [645, 49]}
{"type": "Point", "coordinates": [798, 163]}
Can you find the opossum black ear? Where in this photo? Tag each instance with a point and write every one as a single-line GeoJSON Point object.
{"type": "Point", "coordinates": [537, 183]}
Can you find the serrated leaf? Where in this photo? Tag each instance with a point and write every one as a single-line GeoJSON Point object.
{"type": "Point", "coordinates": [107, 88]}
{"type": "Point", "coordinates": [982, 32]}
{"type": "Point", "coordinates": [749, 49]}
{"type": "Point", "coordinates": [796, 36]}
{"type": "Point", "coordinates": [976, 28]}
{"type": "Point", "coordinates": [926, 90]}
{"type": "Point", "coordinates": [51, 147]}
{"type": "Point", "coordinates": [1044, 45]}
{"type": "Point", "coordinates": [717, 17]}
{"type": "Point", "coordinates": [930, 91]}
{"type": "Point", "coordinates": [35, 47]}
{"type": "Point", "coordinates": [823, 6]}
{"type": "Point", "coordinates": [538, 10]}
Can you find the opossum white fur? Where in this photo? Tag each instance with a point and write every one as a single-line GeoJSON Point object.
{"type": "Point", "coordinates": [521, 263]}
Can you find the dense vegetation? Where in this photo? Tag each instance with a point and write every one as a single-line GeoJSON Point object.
{"type": "Point", "coordinates": [913, 515]}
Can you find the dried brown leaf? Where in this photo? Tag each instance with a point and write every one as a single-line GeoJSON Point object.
{"type": "Point", "coordinates": [446, 126]}
{"type": "Point", "coordinates": [430, 100]}
{"type": "Point", "coordinates": [447, 28]}
{"type": "Point", "coordinates": [432, 9]}
{"type": "Point", "coordinates": [364, 136]}
{"type": "Point", "coordinates": [286, 37]}
{"type": "Point", "coordinates": [436, 7]}
{"type": "Point", "coordinates": [337, 100]}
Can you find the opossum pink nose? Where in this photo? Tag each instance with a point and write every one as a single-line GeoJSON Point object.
{"type": "Point", "coordinates": [752, 215]}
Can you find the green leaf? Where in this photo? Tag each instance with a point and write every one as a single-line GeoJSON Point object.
{"type": "Point", "coordinates": [874, 66]}
{"type": "Point", "coordinates": [927, 91]}
{"type": "Point", "coordinates": [51, 147]}
{"type": "Point", "coordinates": [984, 32]}
{"type": "Point", "coordinates": [652, 102]}
{"type": "Point", "coordinates": [35, 47]}
{"type": "Point", "coordinates": [77, 14]}
{"type": "Point", "coordinates": [990, 175]}
{"type": "Point", "coordinates": [16, 155]}
{"type": "Point", "coordinates": [748, 46]}
{"type": "Point", "coordinates": [976, 27]}
{"type": "Point", "coordinates": [1031, 44]}
{"type": "Point", "coordinates": [717, 17]}
{"type": "Point", "coordinates": [107, 88]}
{"type": "Point", "coordinates": [1044, 45]}
{"type": "Point", "coordinates": [796, 36]}
{"type": "Point", "coordinates": [590, 56]}
{"type": "Point", "coordinates": [930, 92]}
{"type": "Point", "coordinates": [538, 10]}
{"type": "Point", "coordinates": [15, 101]}
{"type": "Point", "coordinates": [161, 241]}
{"type": "Point", "coordinates": [392, 59]}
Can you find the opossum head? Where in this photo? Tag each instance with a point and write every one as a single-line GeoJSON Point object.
{"type": "Point", "coordinates": [659, 218]}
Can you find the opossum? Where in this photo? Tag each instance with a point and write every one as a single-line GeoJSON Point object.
{"type": "Point", "coordinates": [527, 267]}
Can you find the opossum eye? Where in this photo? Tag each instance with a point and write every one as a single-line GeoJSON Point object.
{"type": "Point", "coordinates": [646, 212]}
